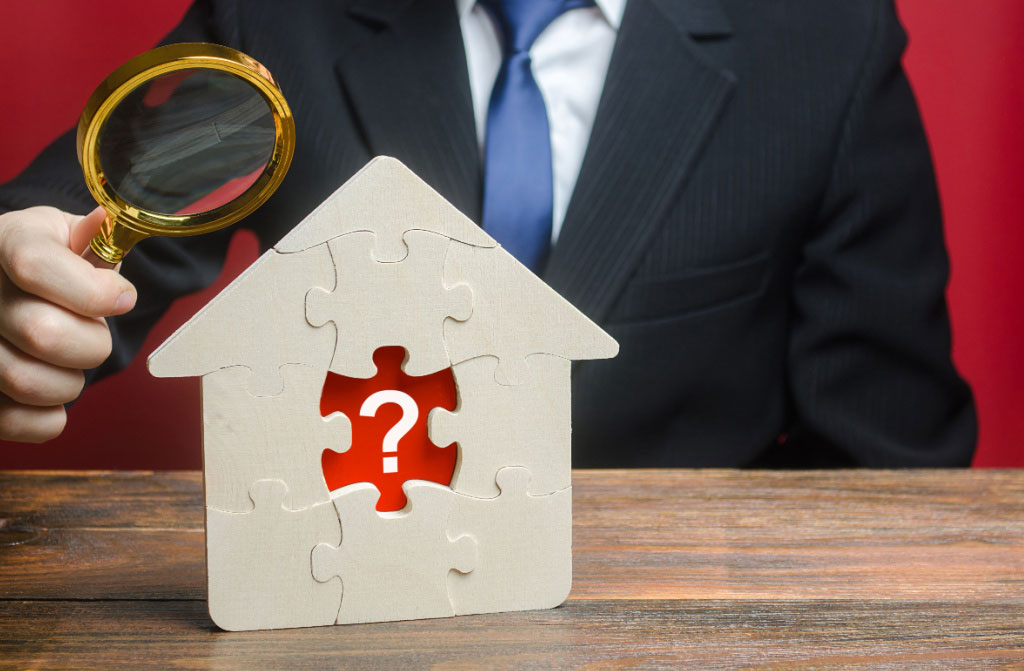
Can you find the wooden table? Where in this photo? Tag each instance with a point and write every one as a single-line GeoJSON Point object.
{"type": "Point", "coordinates": [702, 569]}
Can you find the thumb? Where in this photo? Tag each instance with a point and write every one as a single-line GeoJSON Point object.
{"type": "Point", "coordinates": [84, 229]}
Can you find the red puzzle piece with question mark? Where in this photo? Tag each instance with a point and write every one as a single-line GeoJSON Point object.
{"type": "Point", "coordinates": [389, 428]}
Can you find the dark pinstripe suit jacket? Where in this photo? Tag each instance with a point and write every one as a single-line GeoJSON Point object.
{"type": "Point", "coordinates": [755, 221]}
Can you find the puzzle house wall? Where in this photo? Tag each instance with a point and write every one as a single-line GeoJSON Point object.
{"type": "Point", "coordinates": [384, 261]}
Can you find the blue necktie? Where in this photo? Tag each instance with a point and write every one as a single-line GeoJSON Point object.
{"type": "Point", "coordinates": [518, 182]}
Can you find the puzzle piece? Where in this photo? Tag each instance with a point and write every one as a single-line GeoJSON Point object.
{"type": "Point", "coordinates": [394, 565]}
{"type": "Point", "coordinates": [247, 438]}
{"type": "Point", "coordinates": [524, 544]}
{"type": "Point", "coordinates": [258, 322]}
{"type": "Point", "coordinates": [258, 564]}
{"type": "Point", "coordinates": [387, 198]}
{"type": "Point", "coordinates": [416, 458]}
{"type": "Point", "coordinates": [515, 314]}
{"type": "Point", "coordinates": [389, 304]}
{"type": "Point", "coordinates": [534, 420]}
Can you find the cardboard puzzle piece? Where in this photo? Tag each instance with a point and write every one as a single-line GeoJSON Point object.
{"type": "Point", "coordinates": [524, 544]}
{"type": "Point", "coordinates": [258, 322]}
{"type": "Point", "coordinates": [515, 314]}
{"type": "Point", "coordinates": [390, 443]}
{"type": "Point", "coordinates": [247, 438]}
{"type": "Point", "coordinates": [535, 423]}
{"type": "Point", "coordinates": [376, 304]}
{"type": "Point", "coordinates": [396, 201]}
{"type": "Point", "coordinates": [258, 563]}
{"type": "Point", "coordinates": [394, 566]}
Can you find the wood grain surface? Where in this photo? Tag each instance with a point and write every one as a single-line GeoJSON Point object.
{"type": "Point", "coordinates": [673, 569]}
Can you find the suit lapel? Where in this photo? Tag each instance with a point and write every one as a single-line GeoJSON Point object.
{"type": "Point", "coordinates": [408, 86]}
{"type": "Point", "coordinates": [661, 100]}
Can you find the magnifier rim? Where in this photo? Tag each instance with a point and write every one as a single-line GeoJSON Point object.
{"type": "Point", "coordinates": [155, 63]}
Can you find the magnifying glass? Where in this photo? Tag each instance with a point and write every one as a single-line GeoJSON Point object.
{"type": "Point", "coordinates": [181, 140]}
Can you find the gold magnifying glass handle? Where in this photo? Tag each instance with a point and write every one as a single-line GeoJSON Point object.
{"type": "Point", "coordinates": [103, 250]}
{"type": "Point", "coordinates": [94, 258]}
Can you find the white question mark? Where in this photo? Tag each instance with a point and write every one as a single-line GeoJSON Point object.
{"type": "Point", "coordinates": [410, 413]}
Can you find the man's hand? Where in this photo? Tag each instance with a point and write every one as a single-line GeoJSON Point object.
{"type": "Point", "coordinates": [52, 305]}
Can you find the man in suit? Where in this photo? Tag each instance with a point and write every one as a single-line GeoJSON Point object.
{"type": "Point", "coordinates": [754, 219]}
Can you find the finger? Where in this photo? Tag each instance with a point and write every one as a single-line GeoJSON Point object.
{"type": "Point", "coordinates": [30, 424]}
{"type": "Point", "coordinates": [35, 255]}
{"type": "Point", "coordinates": [50, 333]}
{"type": "Point", "coordinates": [32, 382]}
{"type": "Point", "coordinates": [83, 229]}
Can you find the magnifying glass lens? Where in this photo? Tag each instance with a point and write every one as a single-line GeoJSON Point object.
{"type": "Point", "coordinates": [181, 140]}
{"type": "Point", "coordinates": [187, 142]}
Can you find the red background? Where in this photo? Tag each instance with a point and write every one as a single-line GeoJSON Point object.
{"type": "Point", "coordinates": [966, 61]}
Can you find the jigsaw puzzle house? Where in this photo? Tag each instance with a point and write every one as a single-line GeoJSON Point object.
{"type": "Point", "coordinates": [384, 263]}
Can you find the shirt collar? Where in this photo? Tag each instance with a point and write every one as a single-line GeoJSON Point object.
{"type": "Point", "coordinates": [612, 10]}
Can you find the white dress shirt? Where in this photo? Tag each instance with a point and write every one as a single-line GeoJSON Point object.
{"type": "Point", "coordinates": [569, 60]}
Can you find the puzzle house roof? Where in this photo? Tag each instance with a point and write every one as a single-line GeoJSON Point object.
{"type": "Point", "coordinates": [250, 324]}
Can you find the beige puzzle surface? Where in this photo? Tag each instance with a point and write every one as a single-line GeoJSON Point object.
{"type": "Point", "coordinates": [515, 314]}
{"type": "Point", "coordinates": [376, 304]}
{"type": "Point", "coordinates": [247, 438]}
{"type": "Point", "coordinates": [258, 322]}
{"type": "Point", "coordinates": [389, 200]}
{"type": "Point", "coordinates": [524, 544]}
{"type": "Point", "coordinates": [384, 261]}
{"type": "Point", "coordinates": [258, 567]}
{"type": "Point", "coordinates": [393, 566]}
{"type": "Point", "coordinates": [535, 421]}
